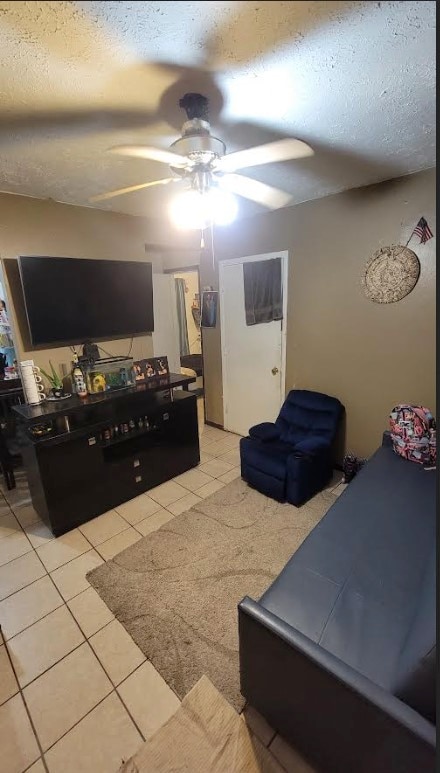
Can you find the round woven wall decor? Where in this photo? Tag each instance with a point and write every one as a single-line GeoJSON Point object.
{"type": "Point", "coordinates": [391, 274]}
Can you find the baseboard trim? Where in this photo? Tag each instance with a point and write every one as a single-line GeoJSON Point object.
{"type": "Point", "coordinates": [213, 424]}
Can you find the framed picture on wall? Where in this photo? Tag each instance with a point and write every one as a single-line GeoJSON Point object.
{"type": "Point", "coordinates": [209, 308]}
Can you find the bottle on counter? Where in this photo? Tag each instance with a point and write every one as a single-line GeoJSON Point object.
{"type": "Point", "coordinates": [78, 379]}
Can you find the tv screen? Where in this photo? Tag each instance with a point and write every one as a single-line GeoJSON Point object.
{"type": "Point", "coordinates": [73, 300]}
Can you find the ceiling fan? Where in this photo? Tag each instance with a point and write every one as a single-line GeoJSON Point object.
{"type": "Point", "coordinates": [200, 160]}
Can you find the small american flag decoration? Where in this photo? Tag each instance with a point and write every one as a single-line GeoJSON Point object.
{"type": "Point", "coordinates": [423, 231]}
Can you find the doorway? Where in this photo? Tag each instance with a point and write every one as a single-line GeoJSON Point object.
{"type": "Point", "coordinates": [253, 356]}
{"type": "Point", "coordinates": [187, 285]}
{"type": "Point", "coordinates": [8, 356]}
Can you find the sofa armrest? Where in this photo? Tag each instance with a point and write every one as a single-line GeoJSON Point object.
{"type": "Point", "coordinates": [336, 717]}
{"type": "Point", "coordinates": [311, 446]}
{"type": "Point", "coordinates": [265, 431]}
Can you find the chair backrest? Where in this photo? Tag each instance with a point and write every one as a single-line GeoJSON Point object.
{"type": "Point", "coordinates": [306, 413]}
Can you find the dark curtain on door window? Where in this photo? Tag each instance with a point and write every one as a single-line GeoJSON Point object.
{"type": "Point", "coordinates": [181, 316]}
{"type": "Point", "coordinates": [263, 291]}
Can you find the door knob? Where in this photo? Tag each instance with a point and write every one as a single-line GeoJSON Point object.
{"type": "Point", "coordinates": [274, 371]}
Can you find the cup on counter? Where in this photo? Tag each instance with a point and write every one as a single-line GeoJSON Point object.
{"type": "Point", "coordinates": [32, 382]}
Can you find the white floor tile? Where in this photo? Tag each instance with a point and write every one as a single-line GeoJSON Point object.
{"type": "Point", "coordinates": [14, 546]}
{"type": "Point", "coordinates": [209, 488]}
{"type": "Point", "coordinates": [205, 445]}
{"type": "Point", "coordinates": [205, 457]}
{"type": "Point", "coordinates": [100, 743]}
{"type": "Point", "coordinates": [18, 497]}
{"type": "Point", "coordinates": [167, 493]}
{"type": "Point", "coordinates": [37, 767]}
{"type": "Point", "coordinates": [216, 468]}
{"type": "Point", "coordinates": [193, 479]}
{"type": "Point", "coordinates": [176, 508]}
{"type": "Point", "coordinates": [26, 515]}
{"type": "Point", "coordinates": [231, 457]}
{"type": "Point", "coordinates": [90, 611]}
{"type": "Point", "coordinates": [231, 475]}
{"type": "Point", "coordinates": [214, 433]}
{"type": "Point", "coordinates": [17, 740]}
{"type": "Point", "coordinates": [42, 645]}
{"type": "Point", "coordinates": [28, 605]}
{"type": "Point", "coordinates": [115, 545]}
{"type": "Point", "coordinates": [116, 651]}
{"type": "Point", "coordinates": [8, 682]}
{"type": "Point", "coordinates": [4, 506]}
{"type": "Point", "coordinates": [20, 572]}
{"type": "Point", "coordinates": [154, 522]}
{"type": "Point", "coordinates": [63, 549]}
{"type": "Point", "coordinates": [103, 527]}
{"type": "Point", "coordinates": [150, 714]}
{"type": "Point", "coordinates": [62, 696]}
{"type": "Point", "coordinates": [39, 534]}
{"type": "Point", "coordinates": [71, 578]}
{"type": "Point", "coordinates": [223, 446]}
{"type": "Point", "coordinates": [9, 525]}
{"type": "Point", "coordinates": [137, 509]}
{"type": "Point", "coordinates": [339, 489]}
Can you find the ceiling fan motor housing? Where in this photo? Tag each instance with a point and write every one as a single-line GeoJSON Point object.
{"type": "Point", "coordinates": [196, 141]}
{"type": "Point", "coordinates": [199, 146]}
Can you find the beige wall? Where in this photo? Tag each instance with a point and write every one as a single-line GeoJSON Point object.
{"type": "Point", "coordinates": [371, 356]}
{"type": "Point", "coordinates": [35, 227]}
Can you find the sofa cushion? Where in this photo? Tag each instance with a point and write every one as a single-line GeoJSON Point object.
{"type": "Point", "coordinates": [270, 458]}
{"type": "Point", "coordinates": [415, 676]}
{"type": "Point", "coordinates": [353, 586]}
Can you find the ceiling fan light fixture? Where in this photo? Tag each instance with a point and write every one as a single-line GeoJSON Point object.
{"type": "Point", "coordinates": [196, 210]}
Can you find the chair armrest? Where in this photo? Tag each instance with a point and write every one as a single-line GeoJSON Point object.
{"type": "Point", "coordinates": [329, 711]}
{"type": "Point", "coordinates": [265, 431]}
{"type": "Point", "coordinates": [311, 446]}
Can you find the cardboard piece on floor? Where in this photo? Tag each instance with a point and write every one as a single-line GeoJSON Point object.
{"type": "Point", "coordinates": [205, 734]}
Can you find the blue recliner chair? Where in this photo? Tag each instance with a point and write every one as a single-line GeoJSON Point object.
{"type": "Point", "coordinates": [292, 459]}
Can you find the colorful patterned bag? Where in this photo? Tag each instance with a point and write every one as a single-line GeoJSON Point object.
{"type": "Point", "coordinates": [413, 433]}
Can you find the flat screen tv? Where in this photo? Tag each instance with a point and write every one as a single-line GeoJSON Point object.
{"type": "Point", "coordinates": [73, 300]}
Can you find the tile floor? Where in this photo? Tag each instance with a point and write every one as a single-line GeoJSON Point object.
{"type": "Point", "coordinates": [76, 693]}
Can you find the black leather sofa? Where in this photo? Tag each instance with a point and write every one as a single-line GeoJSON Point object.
{"type": "Point", "coordinates": [339, 653]}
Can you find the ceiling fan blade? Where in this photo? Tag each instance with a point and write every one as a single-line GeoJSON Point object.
{"type": "Point", "coordinates": [255, 190]}
{"type": "Point", "coordinates": [132, 188]}
{"type": "Point", "coordinates": [152, 154]}
{"type": "Point", "coordinates": [281, 150]}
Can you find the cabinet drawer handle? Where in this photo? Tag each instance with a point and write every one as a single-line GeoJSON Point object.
{"type": "Point", "coordinates": [136, 463]}
{"type": "Point", "coordinates": [138, 478]}
{"type": "Point", "coordinates": [92, 441]}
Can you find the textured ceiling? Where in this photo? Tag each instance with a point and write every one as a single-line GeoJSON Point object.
{"type": "Point", "coordinates": [354, 79]}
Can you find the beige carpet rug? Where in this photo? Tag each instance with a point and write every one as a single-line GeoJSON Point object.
{"type": "Point", "coordinates": [176, 590]}
{"type": "Point", "coordinates": [205, 735]}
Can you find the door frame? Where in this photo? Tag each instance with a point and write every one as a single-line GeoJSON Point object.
{"type": "Point", "coordinates": [284, 255]}
{"type": "Point", "coordinates": [188, 269]}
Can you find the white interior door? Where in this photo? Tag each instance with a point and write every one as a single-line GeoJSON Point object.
{"type": "Point", "coordinates": [166, 326]}
{"type": "Point", "coordinates": [252, 356]}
